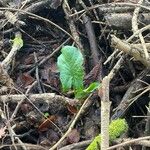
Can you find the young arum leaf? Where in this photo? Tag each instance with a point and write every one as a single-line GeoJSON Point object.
{"type": "Point", "coordinates": [93, 86]}
{"type": "Point", "coordinates": [71, 70]}
{"type": "Point", "coordinates": [80, 94]}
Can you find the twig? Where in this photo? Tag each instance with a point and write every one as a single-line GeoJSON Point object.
{"type": "Point", "coordinates": [147, 126]}
{"type": "Point", "coordinates": [135, 28]}
{"type": "Point", "coordinates": [78, 145]}
{"type": "Point", "coordinates": [105, 105]}
{"type": "Point", "coordinates": [29, 146]}
{"type": "Point", "coordinates": [111, 56]}
{"type": "Point", "coordinates": [50, 55]}
{"type": "Point", "coordinates": [91, 38]}
{"type": "Point", "coordinates": [48, 97]}
{"type": "Point", "coordinates": [30, 87]}
{"type": "Point", "coordinates": [38, 17]}
{"type": "Point", "coordinates": [128, 142]}
{"type": "Point", "coordinates": [5, 78]}
{"type": "Point", "coordinates": [72, 25]}
{"type": "Point", "coordinates": [105, 112]}
{"type": "Point", "coordinates": [37, 74]}
{"type": "Point", "coordinates": [12, 18]}
{"type": "Point", "coordinates": [128, 98]}
{"type": "Point", "coordinates": [126, 47]}
{"type": "Point", "coordinates": [11, 131]}
{"type": "Point", "coordinates": [21, 101]}
{"type": "Point", "coordinates": [110, 5]}
{"type": "Point", "coordinates": [123, 21]}
{"type": "Point", "coordinates": [137, 32]}
{"type": "Point", "coordinates": [72, 124]}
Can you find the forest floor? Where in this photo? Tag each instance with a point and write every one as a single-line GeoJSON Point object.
{"type": "Point", "coordinates": [113, 37]}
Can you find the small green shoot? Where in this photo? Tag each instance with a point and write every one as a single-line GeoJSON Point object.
{"type": "Point", "coordinates": [17, 41]}
{"type": "Point", "coordinates": [70, 65]}
{"type": "Point", "coordinates": [46, 114]}
{"type": "Point", "coordinates": [85, 92]}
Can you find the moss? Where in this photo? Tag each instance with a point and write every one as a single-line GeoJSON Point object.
{"type": "Point", "coordinates": [95, 143]}
{"type": "Point", "coordinates": [116, 129]}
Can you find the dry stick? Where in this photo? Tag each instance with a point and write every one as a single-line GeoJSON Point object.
{"type": "Point", "coordinates": [147, 126]}
{"type": "Point", "coordinates": [105, 113]}
{"type": "Point", "coordinates": [91, 38]}
{"type": "Point", "coordinates": [128, 97]}
{"type": "Point", "coordinates": [38, 17]}
{"type": "Point", "coordinates": [48, 97]}
{"type": "Point", "coordinates": [139, 46]}
{"type": "Point", "coordinates": [104, 128]}
{"type": "Point", "coordinates": [144, 143]}
{"type": "Point", "coordinates": [12, 18]}
{"type": "Point", "coordinates": [51, 55]}
{"type": "Point", "coordinates": [135, 28]}
{"type": "Point", "coordinates": [111, 56]}
{"type": "Point", "coordinates": [120, 61]}
{"type": "Point", "coordinates": [105, 106]}
{"type": "Point", "coordinates": [110, 5]}
{"type": "Point", "coordinates": [138, 32]}
{"type": "Point", "coordinates": [72, 124]}
{"type": "Point", "coordinates": [11, 131]}
{"type": "Point", "coordinates": [123, 20]}
{"type": "Point", "coordinates": [30, 87]}
{"type": "Point", "coordinates": [21, 101]}
{"type": "Point", "coordinates": [72, 26]}
{"type": "Point", "coordinates": [129, 39]}
{"type": "Point", "coordinates": [78, 145]}
{"type": "Point", "coordinates": [29, 146]}
{"type": "Point", "coordinates": [37, 6]}
{"type": "Point", "coordinates": [128, 142]}
{"type": "Point", "coordinates": [37, 74]}
{"type": "Point", "coordinates": [125, 47]}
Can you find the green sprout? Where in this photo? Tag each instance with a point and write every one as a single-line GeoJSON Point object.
{"type": "Point", "coordinates": [70, 66]}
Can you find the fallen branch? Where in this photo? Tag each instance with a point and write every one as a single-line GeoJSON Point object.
{"type": "Point", "coordinates": [48, 97]}
{"type": "Point", "coordinates": [127, 143]}
{"type": "Point", "coordinates": [128, 98]}
{"type": "Point", "coordinates": [135, 28]}
{"type": "Point", "coordinates": [123, 20]}
{"type": "Point", "coordinates": [105, 113]}
{"type": "Point", "coordinates": [127, 48]}
{"type": "Point", "coordinates": [92, 39]}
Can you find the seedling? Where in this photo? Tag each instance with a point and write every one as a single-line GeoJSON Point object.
{"type": "Point", "coordinates": [70, 65]}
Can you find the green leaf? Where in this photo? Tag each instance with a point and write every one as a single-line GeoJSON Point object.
{"type": "Point", "coordinates": [70, 66]}
{"type": "Point", "coordinates": [80, 94]}
{"type": "Point", "coordinates": [93, 86]}
{"type": "Point", "coordinates": [17, 41]}
{"type": "Point", "coordinates": [46, 114]}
